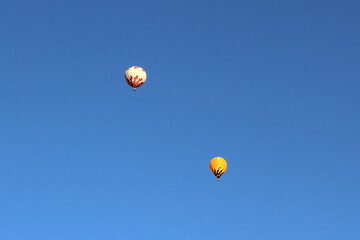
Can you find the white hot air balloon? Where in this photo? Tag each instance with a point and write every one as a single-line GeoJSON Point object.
{"type": "Point", "coordinates": [135, 76]}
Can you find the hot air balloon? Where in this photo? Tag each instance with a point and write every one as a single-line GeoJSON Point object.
{"type": "Point", "coordinates": [135, 76]}
{"type": "Point", "coordinates": [218, 166]}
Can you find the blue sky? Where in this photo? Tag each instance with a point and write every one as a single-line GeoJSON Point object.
{"type": "Point", "coordinates": [271, 86]}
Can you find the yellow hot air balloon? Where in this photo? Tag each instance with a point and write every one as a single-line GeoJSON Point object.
{"type": "Point", "coordinates": [218, 166]}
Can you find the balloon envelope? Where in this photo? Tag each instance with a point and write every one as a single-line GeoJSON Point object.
{"type": "Point", "coordinates": [218, 166]}
{"type": "Point", "coordinates": [135, 76]}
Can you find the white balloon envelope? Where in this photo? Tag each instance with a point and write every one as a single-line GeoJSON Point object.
{"type": "Point", "coordinates": [135, 76]}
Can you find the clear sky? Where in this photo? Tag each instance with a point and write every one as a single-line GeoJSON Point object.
{"type": "Point", "coordinates": [271, 86]}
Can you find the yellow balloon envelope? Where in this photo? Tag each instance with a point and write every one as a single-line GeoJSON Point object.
{"type": "Point", "coordinates": [218, 166]}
